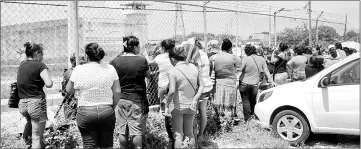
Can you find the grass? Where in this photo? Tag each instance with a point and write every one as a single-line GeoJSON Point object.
{"type": "Point", "coordinates": [249, 136]}
{"type": "Point", "coordinates": [241, 136]}
{"type": "Point", "coordinates": [156, 137]}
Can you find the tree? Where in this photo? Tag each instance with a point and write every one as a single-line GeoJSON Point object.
{"type": "Point", "coordinates": [352, 35]}
{"type": "Point", "coordinates": [325, 33]}
{"type": "Point", "coordinates": [292, 36]}
{"type": "Point", "coordinates": [298, 35]}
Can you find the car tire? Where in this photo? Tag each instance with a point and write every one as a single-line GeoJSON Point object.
{"type": "Point", "coordinates": [291, 126]}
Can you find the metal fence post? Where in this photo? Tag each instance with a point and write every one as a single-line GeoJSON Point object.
{"type": "Point", "coordinates": [205, 37]}
{"type": "Point", "coordinates": [73, 32]}
{"type": "Point", "coordinates": [309, 23]}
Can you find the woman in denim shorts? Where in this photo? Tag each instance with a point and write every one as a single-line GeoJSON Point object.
{"type": "Point", "coordinates": [96, 86]}
{"type": "Point", "coordinates": [32, 76]}
{"type": "Point", "coordinates": [185, 88]}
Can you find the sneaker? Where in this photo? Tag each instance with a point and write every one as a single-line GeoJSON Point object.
{"type": "Point", "coordinates": [253, 117]}
{"type": "Point", "coordinates": [236, 121]}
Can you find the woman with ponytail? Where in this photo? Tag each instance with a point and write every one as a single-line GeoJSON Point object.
{"type": "Point", "coordinates": [32, 76]}
{"type": "Point", "coordinates": [96, 86]}
{"type": "Point", "coordinates": [132, 109]}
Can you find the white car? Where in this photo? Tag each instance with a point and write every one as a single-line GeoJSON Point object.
{"type": "Point", "coordinates": [327, 102]}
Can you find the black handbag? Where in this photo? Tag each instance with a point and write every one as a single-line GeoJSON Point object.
{"type": "Point", "coordinates": [14, 96]}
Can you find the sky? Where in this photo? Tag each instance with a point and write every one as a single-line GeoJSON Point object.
{"type": "Point", "coordinates": [339, 8]}
{"type": "Point", "coordinates": [161, 23]}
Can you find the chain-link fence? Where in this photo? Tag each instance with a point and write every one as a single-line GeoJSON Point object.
{"type": "Point", "coordinates": [42, 24]}
{"type": "Point", "coordinates": [107, 22]}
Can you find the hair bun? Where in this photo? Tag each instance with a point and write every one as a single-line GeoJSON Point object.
{"type": "Point", "coordinates": [100, 54]}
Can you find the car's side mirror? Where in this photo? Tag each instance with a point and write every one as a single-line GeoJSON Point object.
{"type": "Point", "coordinates": [324, 82]}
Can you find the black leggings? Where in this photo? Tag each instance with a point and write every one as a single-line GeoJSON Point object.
{"type": "Point", "coordinates": [249, 95]}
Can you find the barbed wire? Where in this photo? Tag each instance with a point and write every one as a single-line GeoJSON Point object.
{"type": "Point", "coordinates": [230, 10]}
{"type": "Point", "coordinates": [265, 9]}
{"type": "Point", "coordinates": [218, 9]}
{"type": "Point", "coordinates": [292, 12]}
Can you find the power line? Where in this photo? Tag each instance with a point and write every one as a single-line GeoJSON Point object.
{"type": "Point", "coordinates": [244, 11]}
{"type": "Point", "coordinates": [272, 7]}
{"type": "Point", "coordinates": [289, 12]}
{"type": "Point", "coordinates": [98, 7]}
{"type": "Point", "coordinates": [266, 9]}
{"type": "Point", "coordinates": [222, 9]}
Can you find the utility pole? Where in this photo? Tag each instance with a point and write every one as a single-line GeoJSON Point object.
{"type": "Point", "coordinates": [205, 38]}
{"type": "Point", "coordinates": [344, 34]}
{"type": "Point", "coordinates": [275, 32]}
{"type": "Point", "coordinates": [269, 28]}
{"type": "Point", "coordinates": [317, 27]}
{"type": "Point", "coordinates": [309, 23]}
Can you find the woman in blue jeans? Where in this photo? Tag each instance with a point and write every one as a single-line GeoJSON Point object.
{"type": "Point", "coordinates": [32, 76]}
{"type": "Point", "coordinates": [96, 86]}
{"type": "Point", "coordinates": [185, 88]}
{"type": "Point", "coordinates": [251, 67]}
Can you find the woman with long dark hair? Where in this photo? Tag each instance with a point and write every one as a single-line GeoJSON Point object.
{"type": "Point", "coordinates": [96, 86]}
{"type": "Point", "coordinates": [280, 58]}
{"type": "Point", "coordinates": [132, 109]}
{"type": "Point", "coordinates": [32, 76]}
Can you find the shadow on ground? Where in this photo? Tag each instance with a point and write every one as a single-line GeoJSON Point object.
{"type": "Point", "coordinates": [331, 140]}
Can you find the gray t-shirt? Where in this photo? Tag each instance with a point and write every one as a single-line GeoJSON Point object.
{"type": "Point", "coordinates": [297, 63]}
{"type": "Point", "coordinates": [251, 67]}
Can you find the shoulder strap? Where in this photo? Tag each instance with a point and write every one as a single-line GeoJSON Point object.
{"type": "Point", "coordinates": [276, 69]}
{"type": "Point", "coordinates": [213, 60]}
{"type": "Point", "coordinates": [256, 63]}
{"type": "Point", "coordinates": [187, 79]}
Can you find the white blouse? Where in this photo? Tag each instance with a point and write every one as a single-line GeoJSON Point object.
{"type": "Point", "coordinates": [93, 83]}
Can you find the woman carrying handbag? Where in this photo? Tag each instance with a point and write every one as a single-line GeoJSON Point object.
{"type": "Point", "coordinates": [251, 68]}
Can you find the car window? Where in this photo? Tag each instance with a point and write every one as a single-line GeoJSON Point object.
{"type": "Point", "coordinates": [348, 74]}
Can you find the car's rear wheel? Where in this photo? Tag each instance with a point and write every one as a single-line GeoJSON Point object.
{"type": "Point", "coordinates": [291, 126]}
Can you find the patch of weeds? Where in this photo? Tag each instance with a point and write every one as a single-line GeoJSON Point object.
{"type": "Point", "coordinates": [11, 140]}
{"type": "Point", "coordinates": [250, 135]}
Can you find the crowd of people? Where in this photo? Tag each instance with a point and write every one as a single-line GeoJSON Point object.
{"type": "Point", "coordinates": [113, 96]}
